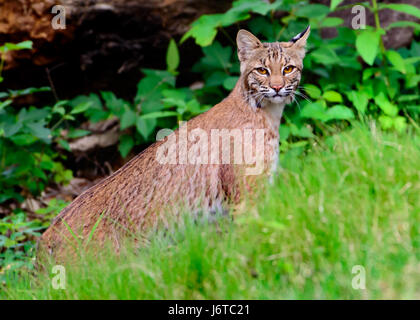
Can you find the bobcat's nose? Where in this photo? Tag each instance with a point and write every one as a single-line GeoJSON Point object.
{"type": "Point", "coordinates": [277, 88]}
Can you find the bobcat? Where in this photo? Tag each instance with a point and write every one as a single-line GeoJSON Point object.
{"type": "Point", "coordinates": [161, 178]}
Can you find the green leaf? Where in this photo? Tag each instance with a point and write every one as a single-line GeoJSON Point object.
{"type": "Point", "coordinates": [82, 107]}
{"type": "Point", "coordinates": [126, 144]}
{"type": "Point", "coordinates": [18, 46]}
{"type": "Point", "coordinates": [396, 60]}
{"type": "Point", "coordinates": [261, 7]}
{"type": "Point", "coordinates": [404, 24]}
{"type": "Point", "coordinates": [22, 92]}
{"type": "Point", "coordinates": [172, 56]}
{"type": "Point", "coordinates": [340, 112]}
{"type": "Point", "coordinates": [400, 124]}
{"type": "Point", "coordinates": [314, 111]}
{"type": "Point", "coordinates": [334, 4]}
{"type": "Point", "coordinates": [360, 100]}
{"type": "Point", "coordinates": [204, 29]}
{"type": "Point", "coordinates": [77, 133]}
{"type": "Point", "coordinates": [412, 80]}
{"type": "Point", "coordinates": [215, 57]}
{"type": "Point", "coordinates": [312, 11]}
{"type": "Point", "coordinates": [5, 103]}
{"type": "Point", "coordinates": [331, 22]}
{"type": "Point", "coordinates": [39, 131]}
{"type": "Point", "coordinates": [58, 107]}
{"type": "Point", "coordinates": [402, 7]}
{"type": "Point", "coordinates": [23, 139]}
{"type": "Point", "coordinates": [385, 121]}
{"type": "Point", "coordinates": [11, 128]}
{"type": "Point", "coordinates": [145, 126]}
{"type": "Point", "coordinates": [325, 56]}
{"type": "Point", "coordinates": [230, 82]}
{"type": "Point", "coordinates": [332, 96]}
{"type": "Point", "coordinates": [313, 91]}
{"type": "Point", "coordinates": [302, 131]}
{"type": "Point", "coordinates": [385, 105]}
{"type": "Point", "coordinates": [128, 118]}
{"type": "Point", "coordinates": [159, 114]}
{"type": "Point", "coordinates": [64, 144]}
{"type": "Point", "coordinates": [284, 132]}
{"type": "Point", "coordinates": [149, 89]}
{"type": "Point", "coordinates": [367, 45]}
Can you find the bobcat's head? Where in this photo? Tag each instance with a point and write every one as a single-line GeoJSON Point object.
{"type": "Point", "coordinates": [270, 72]}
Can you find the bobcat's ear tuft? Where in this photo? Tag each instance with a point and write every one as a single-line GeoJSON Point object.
{"type": "Point", "coordinates": [247, 43]}
{"type": "Point", "coordinates": [299, 41]}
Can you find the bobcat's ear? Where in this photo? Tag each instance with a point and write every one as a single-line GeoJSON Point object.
{"type": "Point", "coordinates": [247, 43]}
{"type": "Point", "coordinates": [299, 41]}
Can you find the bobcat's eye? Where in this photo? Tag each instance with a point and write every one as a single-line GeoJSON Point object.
{"type": "Point", "coordinates": [288, 69]}
{"type": "Point", "coordinates": [262, 70]}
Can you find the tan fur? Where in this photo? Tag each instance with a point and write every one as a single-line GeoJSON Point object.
{"type": "Point", "coordinates": [134, 198]}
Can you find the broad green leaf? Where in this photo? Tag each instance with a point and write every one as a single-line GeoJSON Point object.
{"type": "Point", "coordinates": [11, 129]}
{"type": "Point", "coordinates": [313, 91]}
{"type": "Point", "coordinates": [400, 124]}
{"type": "Point", "coordinates": [18, 46]}
{"type": "Point", "coordinates": [385, 121]}
{"type": "Point", "coordinates": [408, 97]}
{"type": "Point", "coordinates": [334, 4]}
{"type": "Point", "coordinates": [331, 22]}
{"type": "Point", "coordinates": [340, 112]}
{"type": "Point", "coordinates": [204, 29]}
{"type": "Point", "coordinates": [149, 90]}
{"type": "Point", "coordinates": [77, 133]}
{"type": "Point", "coordinates": [332, 96]}
{"type": "Point", "coordinates": [64, 144]}
{"type": "Point", "coordinates": [325, 56]}
{"type": "Point", "coordinates": [260, 7]}
{"type": "Point", "coordinates": [80, 108]}
{"type": "Point", "coordinates": [314, 111]}
{"type": "Point", "coordinates": [172, 56]}
{"type": "Point", "coordinates": [412, 80]}
{"type": "Point", "coordinates": [128, 118]}
{"type": "Point", "coordinates": [216, 78]}
{"type": "Point", "coordinates": [284, 132]}
{"type": "Point", "coordinates": [145, 126]}
{"type": "Point", "coordinates": [5, 103]}
{"type": "Point", "coordinates": [38, 130]}
{"type": "Point", "coordinates": [312, 11]}
{"type": "Point", "coordinates": [126, 144]}
{"type": "Point", "coordinates": [23, 139]}
{"type": "Point", "coordinates": [17, 93]}
{"type": "Point", "coordinates": [402, 7]}
{"type": "Point", "coordinates": [159, 114]}
{"type": "Point", "coordinates": [360, 100]}
{"type": "Point", "coordinates": [404, 24]}
{"type": "Point", "coordinates": [385, 105]}
{"type": "Point", "coordinates": [230, 82]}
{"type": "Point", "coordinates": [215, 57]}
{"type": "Point", "coordinates": [367, 45]}
{"type": "Point", "coordinates": [396, 60]}
{"type": "Point", "coordinates": [302, 131]}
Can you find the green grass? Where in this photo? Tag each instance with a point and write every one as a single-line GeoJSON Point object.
{"type": "Point", "coordinates": [352, 200]}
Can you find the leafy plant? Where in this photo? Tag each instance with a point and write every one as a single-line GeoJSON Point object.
{"type": "Point", "coordinates": [337, 84]}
